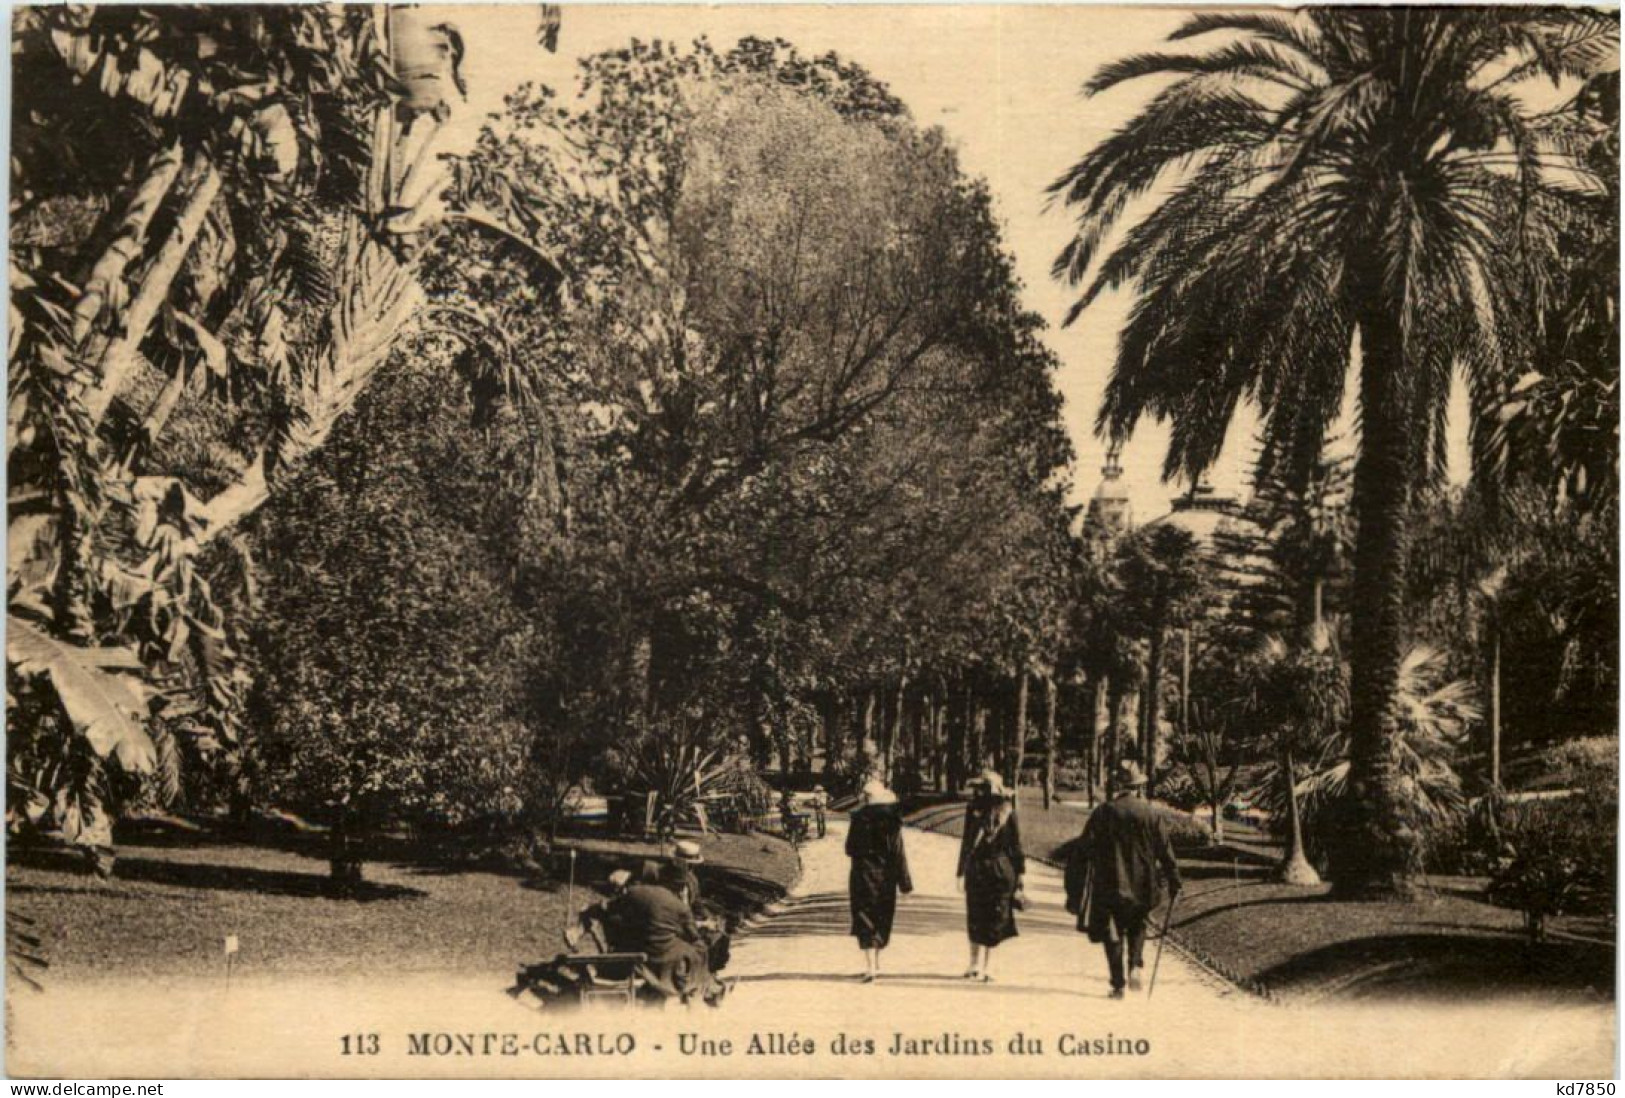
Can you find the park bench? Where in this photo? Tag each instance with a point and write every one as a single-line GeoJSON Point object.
{"type": "Point", "coordinates": [581, 979]}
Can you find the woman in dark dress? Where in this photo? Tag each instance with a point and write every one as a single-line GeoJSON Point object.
{"type": "Point", "coordinates": [879, 871]}
{"type": "Point", "coordinates": [991, 866]}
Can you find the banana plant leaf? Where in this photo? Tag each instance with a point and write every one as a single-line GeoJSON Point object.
{"type": "Point", "coordinates": [99, 689]}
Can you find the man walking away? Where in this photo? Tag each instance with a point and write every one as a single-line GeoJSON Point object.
{"type": "Point", "coordinates": [1112, 880]}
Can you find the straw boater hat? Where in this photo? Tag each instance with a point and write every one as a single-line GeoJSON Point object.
{"type": "Point", "coordinates": [993, 782]}
{"type": "Point", "coordinates": [620, 879]}
{"type": "Point", "coordinates": [875, 792]}
{"type": "Point", "coordinates": [687, 850]}
{"type": "Point", "coordinates": [1129, 775]}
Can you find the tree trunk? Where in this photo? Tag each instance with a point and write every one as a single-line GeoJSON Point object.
{"type": "Point", "coordinates": [958, 725]}
{"type": "Point", "coordinates": [831, 721]}
{"type": "Point", "coordinates": [1018, 730]}
{"type": "Point", "coordinates": [1151, 709]}
{"type": "Point", "coordinates": [1185, 685]}
{"type": "Point", "coordinates": [1376, 853]}
{"type": "Point", "coordinates": [978, 735]}
{"type": "Point", "coordinates": [1495, 703]}
{"type": "Point", "coordinates": [1101, 715]}
{"type": "Point", "coordinates": [1295, 868]}
{"type": "Point", "coordinates": [1050, 744]}
{"type": "Point", "coordinates": [345, 856]}
{"type": "Point", "coordinates": [1116, 702]}
{"type": "Point", "coordinates": [71, 589]}
{"type": "Point", "coordinates": [128, 240]}
{"type": "Point", "coordinates": [939, 728]}
{"type": "Point", "coordinates": [121, 354]}
{"type": "Point", "coordinates": [787, 756]}
{"type": "Point", "coordinates": [896, 735]}
{"type": "Point", "coordinates": [158, 413]}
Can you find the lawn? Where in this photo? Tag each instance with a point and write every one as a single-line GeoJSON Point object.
{"type": "Point", "coordinates": [177, 894]}
{"type": "Point", "coordinates": [1297, 944]}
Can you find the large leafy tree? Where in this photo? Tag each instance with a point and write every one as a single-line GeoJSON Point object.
{"type": "Point", "coordinates": [793, 359]}
{"type": "Point", "coordinates": [1376, 178]}
{"type": "Point", "coordinates": [217, 211]}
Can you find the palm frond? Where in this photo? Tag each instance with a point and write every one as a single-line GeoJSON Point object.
{"type": "Point", "coordinates": [1260, 60]}
{"type": "Point", "coordinates": [1284, 29]}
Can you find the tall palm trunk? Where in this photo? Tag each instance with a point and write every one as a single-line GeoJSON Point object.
{"type": "Point", "coordinates": [1294, 868]}
{"type": "Point", "coordinates": [1377, 851]}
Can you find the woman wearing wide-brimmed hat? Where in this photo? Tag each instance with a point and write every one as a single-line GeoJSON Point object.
{"type": "Point", "coordinates": [879, 871]}
{"type": "Point", "coordinates": [991, 866]}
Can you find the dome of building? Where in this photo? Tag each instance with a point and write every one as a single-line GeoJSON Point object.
{"type": "Point", "coordinates": [1201, 512]}
{"type": "Point", "coordinates": [1110, 509]}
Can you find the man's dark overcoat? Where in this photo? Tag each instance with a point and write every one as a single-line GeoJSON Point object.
{"type": "Point", "coordinates": [1114, 866]}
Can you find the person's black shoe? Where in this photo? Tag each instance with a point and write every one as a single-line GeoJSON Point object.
{"type": "Point", "coordinates": [1134, 977]}
{"type": "Point", "coordinates": [1117, 993]}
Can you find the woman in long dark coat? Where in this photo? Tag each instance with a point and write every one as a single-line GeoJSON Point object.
{"type": "Point", "coordinates": [991, 866]}
{"type": "Point", "coordinates": [879, 871]}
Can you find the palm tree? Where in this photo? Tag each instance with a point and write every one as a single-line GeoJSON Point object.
{"type": "Point", "coordinates": [1345, 176]}
{"type": "Point", "coordinates": [1300, 694]}
{"type": "Point", "coordinates": [1435, 712]}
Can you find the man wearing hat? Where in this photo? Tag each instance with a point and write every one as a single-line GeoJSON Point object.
{"type": "Point", "coordinates": [681, 879]}
{"type": "Point", "coordinates": [686, 855]}
{"type": "Point", "coordinates": [1112, 876]}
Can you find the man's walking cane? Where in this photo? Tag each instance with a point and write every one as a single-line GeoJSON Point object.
{"type": "Point", "coordinates": [1167, 920]}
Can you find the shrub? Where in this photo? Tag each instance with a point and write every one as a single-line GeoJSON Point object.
{"type": "Point", "coordinates": [1178, 789]}
{"type": "Point", "coordinates": [1186, 831]}
{"type": "Point", "coordinates": [1073, 775]}
{"type": "Point", "coordinates": [1558, 855]}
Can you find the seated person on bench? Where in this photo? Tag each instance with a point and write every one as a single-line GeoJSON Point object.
{"type": "Point", "coordinates": [650, 919]}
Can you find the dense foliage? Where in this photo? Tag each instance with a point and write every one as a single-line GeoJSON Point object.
{"type": "Point", "coordinates": [689, 433]}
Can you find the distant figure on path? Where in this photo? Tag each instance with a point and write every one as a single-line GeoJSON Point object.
{"type": "Point", "coordinates": [879, 871]}
{"type": "Point", "coordinates": [1112, 882]}
{"type": "Point", "coordinates": [991, 866]}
